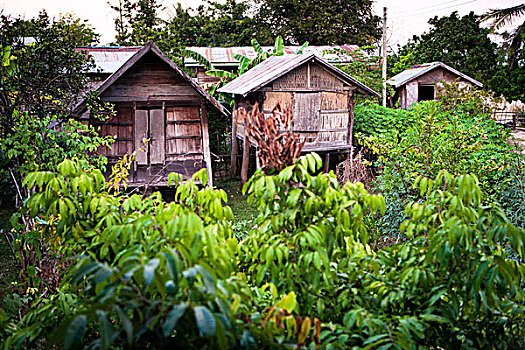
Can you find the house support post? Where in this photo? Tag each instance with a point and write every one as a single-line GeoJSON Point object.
{"type": "Point", "coordinates": [245, 159]}
{"type": "Point", "coordinates": [206, 144]}
{"type": "Point", "coordinates": [234, 149]}
{"type": "Point", "coordinates": [350, 124]}
{"type": "Point", "coordinates": [326, 163]}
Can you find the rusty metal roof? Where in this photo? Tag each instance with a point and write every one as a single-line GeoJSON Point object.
{"type": "Point", "coordinates": [418, 70]}
{"type": "Point", "coordinates": [276, 66]}
{"type": "Point", "coordinates": [223, 56]}
{"type": "Point", "coordinates": [110, 58]}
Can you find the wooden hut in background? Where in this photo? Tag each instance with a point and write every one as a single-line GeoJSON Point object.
{"type": "Point", "coordinates": [154, 99]}
{"type": "Point", "coordinates": [320, 94]}
{"type": "Point", "coordinates": [418, 83]}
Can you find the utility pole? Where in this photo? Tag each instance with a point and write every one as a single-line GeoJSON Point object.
{"type": "Point", "coordinates": [384, 56]}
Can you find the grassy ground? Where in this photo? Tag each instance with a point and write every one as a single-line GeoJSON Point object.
{"type": "Point", "coordinates": [236, 200]}
{"type": "Point", "coordinates": [244, 213]}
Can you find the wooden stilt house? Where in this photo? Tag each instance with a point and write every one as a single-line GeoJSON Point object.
{"type": "Point", "coordinates": [320, 94]}
{"type": "Point", "coordinates": [156, 101]}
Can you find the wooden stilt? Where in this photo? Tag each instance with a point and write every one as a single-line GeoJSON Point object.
{"type": "Point", "coordinates": [326, 163]}
{"type": "Point", "coordinates": [350, 137]}
{"type": "Point", "coordinates": [234, 150]}
{"type": "Point", "coordinates": [206, 144]}
{"type": "Point", "coordinates": [245, 160]}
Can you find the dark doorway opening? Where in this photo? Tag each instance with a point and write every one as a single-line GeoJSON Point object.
{"type": "Point", "coordinates": [425, 93]}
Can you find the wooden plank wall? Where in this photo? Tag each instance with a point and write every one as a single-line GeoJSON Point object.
{"type": "Point", "coordinates": [319, 100]}
{"type": "Point", "coordinates": [334, 117]}
{"type": "Point", "coordinates": [119, 126]}
{"type": "Point", "coordinates": [306, 111]}
{"type": "Point", "coordinates": [184, 141]}
{"type": "Point", "coordinates": [151, 79]}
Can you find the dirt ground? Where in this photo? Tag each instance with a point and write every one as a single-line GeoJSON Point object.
{"type": "Point", "coordinates": [519, 135]}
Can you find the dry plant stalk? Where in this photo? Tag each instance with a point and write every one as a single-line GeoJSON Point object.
{"type": "Point", "coordinates": [277, 146]}
{"type": "Point", "coordinates": [353, 170]}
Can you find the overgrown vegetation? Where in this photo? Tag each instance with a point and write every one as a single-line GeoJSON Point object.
{"type": "Point", "coordinates": [431, 257]}
{"type": "Point", "coordinates": [144, 273]}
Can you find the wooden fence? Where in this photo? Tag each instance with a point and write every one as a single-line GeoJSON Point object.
{"type": "Point", "coordinates": [509, 119]}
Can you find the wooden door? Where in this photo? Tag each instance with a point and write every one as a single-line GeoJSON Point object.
{"type": "Point", "coordinates": [306, 111]}
{"type": "Point", "coordinates": [149, 124]}
{"type": "Point", "coordinates": [157, 129]}
{"type": "Point", "coordinates": [141, 134]}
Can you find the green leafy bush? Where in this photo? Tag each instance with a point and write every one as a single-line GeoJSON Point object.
{"type": "Point", "coordinates": [147, 274]}
{"type": "Point", "coordinates": [307, 224]}
{"type": "Point", "coordinates": [373, 119]}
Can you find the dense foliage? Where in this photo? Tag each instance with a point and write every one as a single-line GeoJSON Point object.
{"type": "Point", "coordinates": [452, 134]}
{"type": "Point", "coordinates": [143, 273]}
{"type": "Point", "coordinates": [43, 77]}
{"type": "Point", "coordinates": [351, 21]}
{"type": "Point", "coordinates": [236, 23]}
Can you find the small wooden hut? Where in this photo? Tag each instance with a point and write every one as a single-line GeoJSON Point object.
{"type": "Point", "coordinates": [418, 83]}
{"type": "Point", "coordinates": [320, 94]}
{"type": "Point", "coordinates": [156, 101]}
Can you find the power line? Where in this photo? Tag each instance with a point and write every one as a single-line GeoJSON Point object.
{"type": "Point", "coordinates": [412, 14]}
{"type": "Point", "coordinates": [444, 3]}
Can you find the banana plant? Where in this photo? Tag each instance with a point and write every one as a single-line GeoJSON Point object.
{"type": "Point", "coordinates": [245, 63]}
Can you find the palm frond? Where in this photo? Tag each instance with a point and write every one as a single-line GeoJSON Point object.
{"type": "Point", "coordinates": [258, 60]}
{"type": "Point", "coordinates": [243, 62]}
{"type": "Point", "coordinates": [278, 49]}
{"type": "Point", "coordinates": [501, 17]}
{"type": "Point", "coordinates": [515, 45]}
{"type": "Point", "coordinates": [220, 73]}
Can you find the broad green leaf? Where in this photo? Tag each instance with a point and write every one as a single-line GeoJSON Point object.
{"type": "Point", "coordinates": [75, 332]}
{"type": "Point", "coordinates": [173, 317]}
{"type": "Point", "coordinates": [205, 320]}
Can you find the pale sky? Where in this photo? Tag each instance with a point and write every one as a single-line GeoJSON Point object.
{"type": "Point", "coordinates": [405, 17]}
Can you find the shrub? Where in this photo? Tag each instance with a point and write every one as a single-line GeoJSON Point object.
{"type": "Point", "coordinates": [148, 274]}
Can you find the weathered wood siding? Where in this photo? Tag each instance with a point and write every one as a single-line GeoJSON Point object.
{"type": "Point", "coordinates": [154, 102]}
{"type": "Point", "coordinates": [151, 79]}
{"type": "Point", "coordinates": [120, 127]}
{"type": "Point", "coordinates": [319, 102]}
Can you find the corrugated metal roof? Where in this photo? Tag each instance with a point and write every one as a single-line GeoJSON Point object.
{"type": "Point", "coordinates": [418, 70]}
{"type": "Point", "coordinates": [109, 59]}
{"type": "Point", "coordinates": [224, 55]}
{"type": "Point", "coordinates": [276, 66]}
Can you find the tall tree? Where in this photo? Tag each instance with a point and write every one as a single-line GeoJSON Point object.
{"type": "Point", "coordinates": [213, 24]}
{"type": "Point", "coordinates": [457, 41]}
{"type": "Point", "coordinates": [47, 77]}
{"type": "Point", "coordinates": [501, 17]}
{"type": "Point", "coordinates": [76, 30]}
{"type": "Point", "coordinates": [122, 20]}
{"type": "Point", "coordinates": [137, 22]}
{"type": "Point", "coordinates": [318, 22]}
